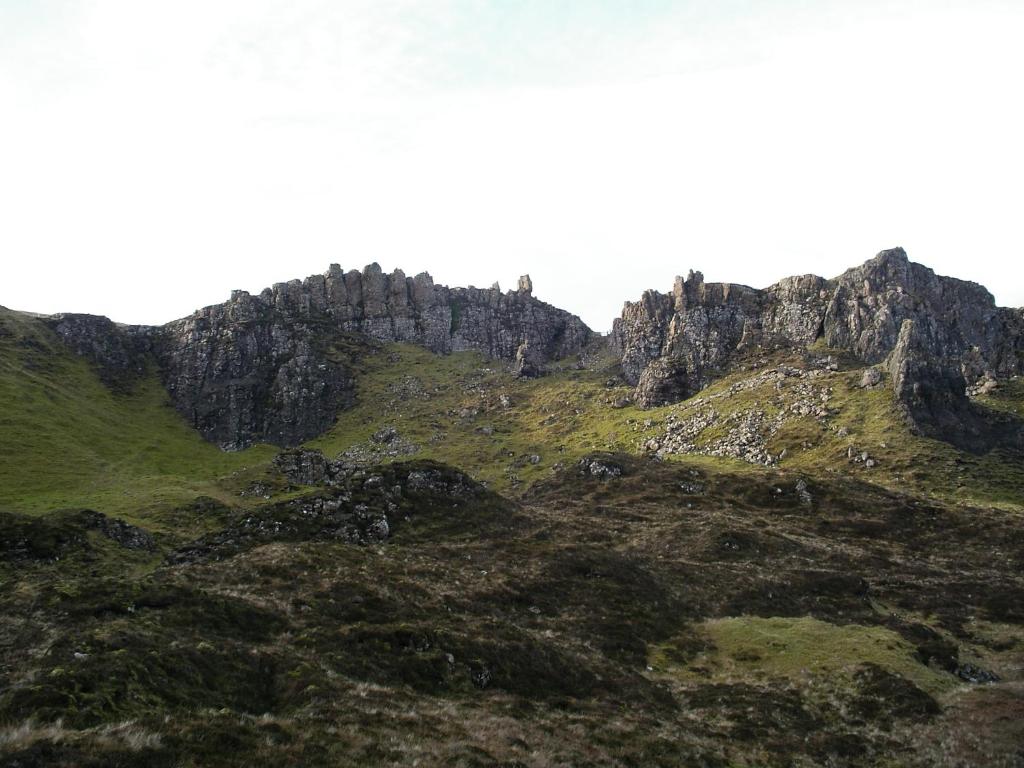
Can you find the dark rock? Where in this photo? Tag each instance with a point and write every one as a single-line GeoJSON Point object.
{"type": "Point", "coordinates": [354, 509]}
{"type": "Point", "coordinates": [662, 382]}
{"type": "Point", "coordinates": [127, 535]}
{"type": "Point", "coordinates": [306, 467]}
{"type": "Point", "coordinates": [973, 674]}
{"type": "Point", "coordinates": [527, 364]}
{"type": "Point", "coordinates": [119, 352]}
{"type": "Point", "coordinates": [481, 677]}
{"type": "Point", "coordinates": [930, 388]}
{"type": "Point", "coordinates": [245, 372]}
{"type": "Point", "coordinates": [51, 537]}
{"type": "Point", "coordinates": [601, 468]}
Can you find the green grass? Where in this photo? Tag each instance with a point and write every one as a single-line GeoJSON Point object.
{"type": "Point", "coordinates": [67, 440]}
{"type": "Point", "coordinates": [1008, 397]}
{"type": "Point", "coordinates": [275, 642]}
{"type": "Point", "coordinates": [748, 647]}
{"type": "Point", "coordinates": [450, 406]}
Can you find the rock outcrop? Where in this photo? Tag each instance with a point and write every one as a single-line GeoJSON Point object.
{"type": "Point", "coordinates": [528, 364]}
{"type": "Point", "coordinates": [673, 345]}
{"type": "Point", "coordinates": [662, 382]}
{"type": "Point", "coordinates": [265, 369]}
{"type": "Point", "coordinates": [244, 372]}
{"type": "Point", "coordinates": [117, 351]}
{"type": "Point", "coordinates": [930, 388]}
{"type": "Point", "coordinates": [393, 307]}
{"type": "Point", "coordinates": [700, 327]}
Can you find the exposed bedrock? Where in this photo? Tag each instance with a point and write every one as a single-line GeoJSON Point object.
{"type": "Point", "coordinates": [117, 351]}
{"type": "Point", "coordinates": [263, 368]}
{"type": "Point", "coordinates": [699, 328]}
{"type": "Point", "coordinates": [393, 307]}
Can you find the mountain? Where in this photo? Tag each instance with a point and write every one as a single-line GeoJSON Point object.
{"type": "Point", "coordinates": [365, 520]}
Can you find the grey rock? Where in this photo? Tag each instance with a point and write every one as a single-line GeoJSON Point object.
{"type": "Point", "coordinates": [803, 493]}
{"type": "Point", "coordinates": [688, 337]}
{"type": "Point", "coordinates": [245, 371]}
{"type": "Point", "coordinates": [385, 435]}
{"type": "Point", "coordinates": [259, 368]}
{"type": "Point", "coordinates": [481, 677]}
{"type": "Point", "coordinates": [662, 382]}
{"type": "Point", "coordinates": [872, 377]}
{"type": "Point", "coordinates": [929, 386]}
{"type": "Point", "coordinates": [127, 535]}
{"type": "Point", "coordinates": [603, 469]}
{"type": "Point", "coordinates": [527, 363]}
{"type": "Point", "coordinates": [972, 674]}
{"type": "Point", "coordinates": [306, 467]}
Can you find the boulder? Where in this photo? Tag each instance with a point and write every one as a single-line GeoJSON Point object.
{"type": "Point", "coordinates": [664, 381]}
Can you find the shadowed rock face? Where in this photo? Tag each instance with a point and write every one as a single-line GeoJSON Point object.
{"type": "Point", "coordinates": [241, 372]}
{"type": "Point", "coordinates": [260, 368]}
{"type": "Point", "coordinates": [701, 327]}
{"type": "Point", "coordinates": [662, 382]}
{"type": "Point", "coordinates": [117, 351]}
{"type": "Point", "coordinates": [930, 388]}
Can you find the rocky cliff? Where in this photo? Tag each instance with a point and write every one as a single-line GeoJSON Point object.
{"type": "Point", "coordinates": [266, 368]}
{"type": "Point", "coordinates": [274, 367]}
{"type": "Point", "coordinates": [393, 307]}
{"type": "Point", "coordinates": [673, 345]}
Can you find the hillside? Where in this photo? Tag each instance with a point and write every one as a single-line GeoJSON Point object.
{"type": "Point", "coordinates": [512, 557]}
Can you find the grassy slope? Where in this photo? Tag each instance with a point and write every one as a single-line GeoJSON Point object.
{"type": "Point", "coordinates": [451, 408]}
{"type": "Point", "coordinates": [67, 440]}
{"type": "Point", "coordinates": [594, 581]}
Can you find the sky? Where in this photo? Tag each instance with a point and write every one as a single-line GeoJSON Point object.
{"type": "Point", "coordinates": [154, 156]}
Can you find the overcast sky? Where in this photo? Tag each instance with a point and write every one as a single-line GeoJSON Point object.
{"type": "Point", "coordinates": [156, 155]}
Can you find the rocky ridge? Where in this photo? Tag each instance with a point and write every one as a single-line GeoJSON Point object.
{"type": "Point", "coordinates": [674, 345]}
{"type": "Point", "coordinates": [277, 367]}
{"type": "Point", "coordinates": [266, 368]}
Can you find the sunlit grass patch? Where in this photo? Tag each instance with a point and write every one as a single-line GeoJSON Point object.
{"type": "Point", "coordinates": [747, 647]}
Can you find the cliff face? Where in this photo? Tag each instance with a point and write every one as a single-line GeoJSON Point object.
{"type": "Point", "coordinates": [261, 368]}
{"type": "Point", "coordinates": [677, 343]}
{"type": "Point", "coordinates": [393, 307]}
{"type": "Point", "coordinates": [673, 345]}
{"type": "Point", "coordinates": [241, 372]}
